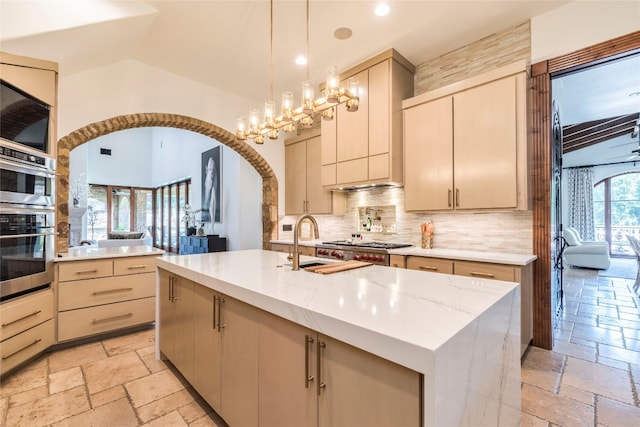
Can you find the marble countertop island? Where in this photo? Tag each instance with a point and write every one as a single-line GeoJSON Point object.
{"type": "Point", "coordinates": [461, 333]}
{"type": "Point", "coordinates": [92, 252]}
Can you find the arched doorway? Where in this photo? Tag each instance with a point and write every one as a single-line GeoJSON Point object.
{"type": "Point", "coordinates": [130, 121]}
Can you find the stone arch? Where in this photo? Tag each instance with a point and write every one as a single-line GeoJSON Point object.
{"type": "Point", "coordinates": [130, 121]}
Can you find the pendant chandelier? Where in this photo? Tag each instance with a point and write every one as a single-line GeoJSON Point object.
{"type": "Point", "coordinates": [291, 117]}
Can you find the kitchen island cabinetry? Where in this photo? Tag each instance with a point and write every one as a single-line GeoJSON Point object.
{"type": "Point", "coordinates": [355, 333]}
{"type": "Point", "coordinates": [307, 378]}
{"type": "Point", "coordinates": [105, 294]}
{"type": "Point", "coordinates": [26, 328]}
{"type": "Point", "coordinates": [365, 146]}
{"type": "Point", "coordinates": [212, 340]}
{"type": "Point", "coordinates": [465, 146]}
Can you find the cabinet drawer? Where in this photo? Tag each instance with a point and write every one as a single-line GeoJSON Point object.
{"type": "Point", "coordinates": [105, 290]}
{"type": "Point", "coordinates": [84, 270]}
{"type": "Point", "coordinates": [22, 313]}
{"type": "Point", "coordinates": [94, 320]}
{"type": "Point", "coordinates": [352, 171]}
{"type": "Point", "coordinates": [483, 270]}
{"type": "Point", "coordinates": [279, 247]}
{"type": "Point", "coordinates": [136, 265]}
{"type": "Point", "coordinates": [398, 261]}
{"type": "Point", "coordinates": [307, 250]}
{"type": "Point", "coordinates": [22, 347]}
{"type": "Point", "coordinates": [434, 265]}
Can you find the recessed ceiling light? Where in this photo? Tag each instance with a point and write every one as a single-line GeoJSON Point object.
{"type": "Point", "coordinates": [301, 60]}
{"type": "Point", "coordinates": [342, 33]}
{"type": "Point", "coordinates": [382, 9]}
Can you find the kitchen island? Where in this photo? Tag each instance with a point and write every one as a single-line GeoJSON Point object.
{"type": "Point", "coordinates": [456, 339]}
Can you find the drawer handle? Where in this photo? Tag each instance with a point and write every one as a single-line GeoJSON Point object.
{"type": "Point", "coordinates": [21, 349]}
{"type": "Point", "coordinates": [110, 319]}
{"type": "Point", "coordinates": [111, 291]}
{"type": "Point", "coordinates": [86, 271]}
{"type": "Point", "coordinates": [428, 268]}
{"type": "Point", "coordinates": [22, 318]}
{"type": "Point", "coordinates": [477, 273]}
{"type": "Point", "coordinates": [137, 267]}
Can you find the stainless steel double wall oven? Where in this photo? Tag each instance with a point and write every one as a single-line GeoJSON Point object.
{"type": "Point", "coordinates": [27, 229]}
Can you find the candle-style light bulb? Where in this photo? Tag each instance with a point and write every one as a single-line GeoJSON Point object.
{"type": "Point", "coordinates": [332, 85]}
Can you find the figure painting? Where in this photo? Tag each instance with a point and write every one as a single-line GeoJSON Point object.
{"type": "Point", "coordinates": [211, 181]}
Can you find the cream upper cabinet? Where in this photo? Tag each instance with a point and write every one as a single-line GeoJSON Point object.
{"type": "Point", "coordinates": [467, 149]}
{"type": "Point", "coordinates": [428, 155]}
{"type": "Point", "coordinates": [304, 192]}
{"type": "Point", "coordinates": [365, 146]}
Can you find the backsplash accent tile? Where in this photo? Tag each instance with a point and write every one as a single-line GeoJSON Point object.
{"type": "Point", "coordinates": [482, 231]}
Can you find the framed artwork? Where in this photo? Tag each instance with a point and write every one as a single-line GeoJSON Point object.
{"type": "Point", "coordinates": [211, 185]}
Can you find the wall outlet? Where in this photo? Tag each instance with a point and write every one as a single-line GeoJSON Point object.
{"type": "Point", "coordinates": [287, 227]}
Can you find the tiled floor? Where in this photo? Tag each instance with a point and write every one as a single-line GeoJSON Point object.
{"type": "Point", "coordinates": [591, 378]}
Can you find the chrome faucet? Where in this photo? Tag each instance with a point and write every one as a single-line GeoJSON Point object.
{"type": "Point", "coordinates": [296, 231]}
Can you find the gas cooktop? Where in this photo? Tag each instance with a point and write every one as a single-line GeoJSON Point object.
{"type": "Point", "coordinates": [360, 244]}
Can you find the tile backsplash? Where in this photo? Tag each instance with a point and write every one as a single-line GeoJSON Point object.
{"type": "Point", "coordinates": [490, 231]}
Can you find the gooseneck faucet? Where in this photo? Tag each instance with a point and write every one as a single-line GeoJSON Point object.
{"type": "Point", "coordinates": [296, 230]}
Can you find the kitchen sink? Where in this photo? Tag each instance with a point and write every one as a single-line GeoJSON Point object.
{"type": "Point", "coordinates": [308, 264]}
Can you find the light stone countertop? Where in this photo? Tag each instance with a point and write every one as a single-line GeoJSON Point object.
{"type": "Point", "coordinates": [490, 257]}
{"type": "Point", "coordinates": [462, 333]}
{"type": "Point", "coordinates": [92, 252]}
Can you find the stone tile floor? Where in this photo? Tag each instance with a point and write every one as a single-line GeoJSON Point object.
{"type": "Point", "coordinates": [591, 378]}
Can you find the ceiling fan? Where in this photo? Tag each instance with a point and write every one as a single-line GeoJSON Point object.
{"type": "Point", "coordinates": [635, 154]}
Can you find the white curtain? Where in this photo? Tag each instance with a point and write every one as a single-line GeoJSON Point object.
{"type": "Point", "coordinates": [580, 190]}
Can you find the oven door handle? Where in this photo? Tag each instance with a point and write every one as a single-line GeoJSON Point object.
{"type": "Point", "coordinates": [15, 236]}
{"type": "Point", "coordinates": [28, 169]}
{"type": "Point", "coordinates": [10, 208]}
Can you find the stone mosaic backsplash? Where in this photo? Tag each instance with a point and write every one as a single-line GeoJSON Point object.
{"type": "Point", "coordinates": [492, 231]}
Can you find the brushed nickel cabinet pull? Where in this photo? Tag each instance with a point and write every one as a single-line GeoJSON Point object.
{"type": "Point", "coordinates": [321, 385]}
{"type": "Point", "coordinates": [112, 318]}
{"type": "Point", "coordinates": [220, 324]}
{"type": "Point", "coordinates": [213, 320]}
{"type": "Point", "coordinates": [87, 271]}
{"type": "Point", "coordinates": [22, 318]}
{"type": "Point", "coordinates": [111, 291]}
{"type": "Point", "coordinates": [308, 340]}
{"type": "Point", "coordinates": [137, 267]}
{"type": "Point", "coordinates": [457, 197]}
{"type": "Point", "coordinates": [449, 201]}
{"type": "Point", "coordinates": [477, 273]}
{"type": "Point", "coordinates": [427, 267]}
{"type": "Point", "coordinates": [21, 349]}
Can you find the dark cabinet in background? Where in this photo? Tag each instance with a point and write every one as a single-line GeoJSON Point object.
{"type": "Point", "coordinates": [202, 244]}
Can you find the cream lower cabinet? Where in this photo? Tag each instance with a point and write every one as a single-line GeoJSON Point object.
{"type": "Point", "coordinates": [308, 379]}
{"type": "Point", "coordinates": [258, 369]}
{"type": "Point", "coordinates": [522, 274]}
{"type": "Point", "coordinates": [304, 250]}
{"type": "Point", "coordinates": [176, 322]}
{"type": "Point", "coordinates": [213, 341]}
{"type": "Point", "coordinates": [97, 296]}
{"type": "Point", "coordinates": [26, 328]}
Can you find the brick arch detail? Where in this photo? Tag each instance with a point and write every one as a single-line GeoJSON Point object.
{"type": "Point", "coordinates": [130, 121]}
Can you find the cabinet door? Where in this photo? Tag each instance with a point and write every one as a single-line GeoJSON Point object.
{"type": "Point", "coordinates": [206, 347]}
{"type": "Point", "coordinates": [183, 320]}
{"type": "Point", "coordinates": [485, 146]}
{"type": "Point", "coordinates": [379, 107]}
{"type": "Point", "coordinates": [288, 392]}
{"type": "Point", "coordinates": [295, 178]}
{"type": "Point", "coordinates": [428, 156]}
{"type": "Point", "coordinates": [239, 404]}
{"type": "Point", "coordinates": [280, 247]}
{"type": "Point", "coordinates": [353, 127]}
{"type": "Point", "coordinates": [362, 389]}
{"type": "Point", "coordinates": [166, 327]}
{"type": "Point", "coordinates": [318, 199]}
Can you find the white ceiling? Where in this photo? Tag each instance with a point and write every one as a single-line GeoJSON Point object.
{"type": "Point", "coordinates": [225, 44]}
